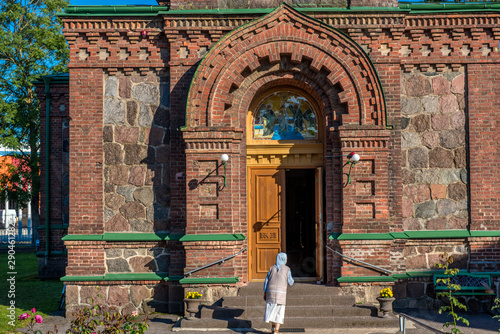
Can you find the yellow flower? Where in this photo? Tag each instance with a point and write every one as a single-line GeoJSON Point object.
{"type": "Point", "coordinates": [193, 295]}
{"type": "Point", "coordinates": [386, 293]}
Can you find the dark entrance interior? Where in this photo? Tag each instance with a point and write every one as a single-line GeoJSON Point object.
{"type": "Point", "coordinates": [300, 222]}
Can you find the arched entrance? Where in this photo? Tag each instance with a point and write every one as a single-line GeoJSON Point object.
{"type": "Point", "coordinates": [283, 52]}
{"type": "Point", "coordinates": [285, 182]}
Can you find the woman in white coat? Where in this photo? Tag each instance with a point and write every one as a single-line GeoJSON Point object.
{"type": "Point", "coordinates": [277, 280]}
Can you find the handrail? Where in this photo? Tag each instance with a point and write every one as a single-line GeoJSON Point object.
{"type": "Point", "coordinates": [386, 271]}
{"type": "Point", "coordinates": [216, 262]}
{"type": "Point", "coordinates": [402, 324]}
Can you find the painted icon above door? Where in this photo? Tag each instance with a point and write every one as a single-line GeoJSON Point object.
{"type": "Point", "coordinates": [285, 116]}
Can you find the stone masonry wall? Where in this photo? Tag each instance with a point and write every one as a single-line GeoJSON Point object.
{"type": "Point", "coordinates": [434, 148]}
{"type": "Point", "coordinates": [136, 154]}
{"type": "Point", "coordinates": [434, 151]}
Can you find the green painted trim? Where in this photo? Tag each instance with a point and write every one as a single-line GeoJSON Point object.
{"type": "Point", "coordinates": [438, 234]}
{"type": "Point", "coordinates": [447, 7]}
{"type": "Point", "coordinates": [212, 237]}
{"type": "Point", "coordinates": [82, 237]}
{"type": "Point", "coordinates": [366, 279]}
{"type": "Point", "coordinates": [209, 280]}
{"type": "Point", "coordinates": [123, 10]}
{"type": "Point", "coordinates": [154, 237]}
{"type": "Point", "coordinates": [366, 236]}
{"type": "Point", "coordinates": [429, 273]}
{"type": "Point", "coordinates": [401, 276]}
{"type": "Point", "coordinates": [399, 235]}
{"type": "Point", "coordinates": [334, 236]}
{"type": "Point", "coordinates": [158, 276]}
{"type": "Point", "coordinates": [485, 233]}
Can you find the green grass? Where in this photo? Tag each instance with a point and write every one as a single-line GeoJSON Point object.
{"type": "Point", "coordinates": [30, 291]}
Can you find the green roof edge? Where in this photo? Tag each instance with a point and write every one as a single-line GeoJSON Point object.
{"type": "Point", "coordinates": [160, 236]}
{"type": "Point", "coordinates": [144, 10]}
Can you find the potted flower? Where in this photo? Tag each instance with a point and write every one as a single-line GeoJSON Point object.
{"type": "Point", "coordinates": [385, 299]}
{"type": "Point", "coordinates": [193, 302]}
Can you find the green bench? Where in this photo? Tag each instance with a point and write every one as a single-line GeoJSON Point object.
{"type": "Point", "coordinates": [471, 284]}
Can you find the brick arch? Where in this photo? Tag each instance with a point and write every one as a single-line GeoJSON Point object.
{"type": "Point", "coordinates": [331, 58]}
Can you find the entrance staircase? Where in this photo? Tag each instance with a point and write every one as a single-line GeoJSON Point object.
{"type": "Point", "coordinates": [308, 306]}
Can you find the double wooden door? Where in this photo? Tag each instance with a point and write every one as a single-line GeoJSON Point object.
{"type": "Point", "coordinates": [267, 219]}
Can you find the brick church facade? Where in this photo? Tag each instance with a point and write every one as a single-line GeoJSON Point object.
{"type": "Point", "coordinates": [156, 94]}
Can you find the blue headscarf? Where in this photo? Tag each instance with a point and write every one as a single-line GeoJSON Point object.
{"type": "Point", "coordinates": [280, 260]}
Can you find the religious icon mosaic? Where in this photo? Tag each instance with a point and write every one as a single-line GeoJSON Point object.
{"type": "Point", "coordinates": [285, 116]}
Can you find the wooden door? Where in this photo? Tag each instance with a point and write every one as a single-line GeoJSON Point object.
{"type": "Point", "coordinates": [265, 218]}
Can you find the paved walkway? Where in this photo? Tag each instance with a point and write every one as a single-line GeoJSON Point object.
{"type": "Point", "coordinates": [481, 323]}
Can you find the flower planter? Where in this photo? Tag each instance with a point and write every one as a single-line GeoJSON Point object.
{"type": "Point", "coordinates": [192, 307]}
{"type": "Point", "coordinates": [385, 305]}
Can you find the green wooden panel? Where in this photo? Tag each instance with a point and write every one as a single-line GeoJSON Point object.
{"type": "Point", "coordinates": [209, 280]}
{"type": "Point", "coordinates": [366, 279]}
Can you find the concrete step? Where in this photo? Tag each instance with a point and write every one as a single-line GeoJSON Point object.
{"type": "Point", "coordinates": [291, 311]}
{"type": "Point", "coordinates": [299, 288]}
{"type": "Point", "coordinates": [291, 300]}
{"type": "Point", "coordinates": [294, 322]}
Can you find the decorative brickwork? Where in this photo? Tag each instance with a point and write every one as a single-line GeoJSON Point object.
{"type": "Point", "coordinates": [155, 101]}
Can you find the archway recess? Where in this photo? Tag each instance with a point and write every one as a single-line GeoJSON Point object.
{"type": "Point", "coordinates": [284, 48]}
{"type": "Point", "coordinates": [238, 59]}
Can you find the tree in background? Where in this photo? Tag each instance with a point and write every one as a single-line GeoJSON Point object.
{"type": "Point", "coordinates": [31, 45]}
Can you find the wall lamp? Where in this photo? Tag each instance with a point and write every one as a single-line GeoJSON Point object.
{"type": "Point", "coordinates": [352, 159]}
{"type": "Point", "coordinates": [224, 159]}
